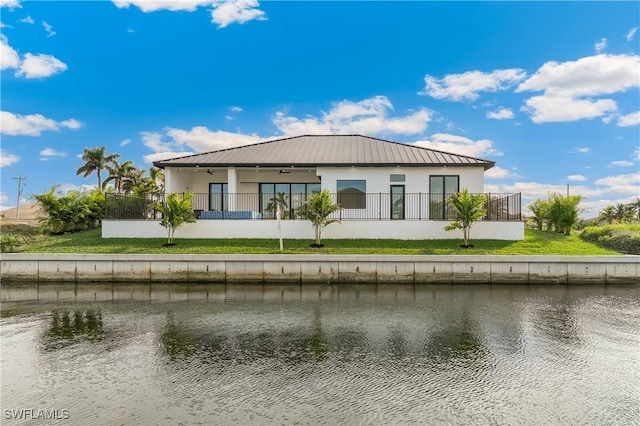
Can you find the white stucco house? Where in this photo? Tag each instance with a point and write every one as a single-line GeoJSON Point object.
{"type": "Point", "coordinates": [387, 190]}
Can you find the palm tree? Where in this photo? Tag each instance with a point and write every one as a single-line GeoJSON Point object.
{"type": "Point", "coordinates": [607, 214]}
{"type": "Point", "coordinates": [157, 176]}
{"type": "Point", "coordinates": [317, 209]}
{"type": "Point", "coordinates": [278, 204]}
{"type": "Point", "coordinates": [623, 213]}
{"type": "Point", "coordinates": [118, 172]}
{"type": "Point", "coordinates": [96, 160]}
{"type": "Point", "coordinates": [469, 209]}
{"type": "Point", "coordinates": [134, 178]}
{"type": "Point", "coordinates": [176, 211]}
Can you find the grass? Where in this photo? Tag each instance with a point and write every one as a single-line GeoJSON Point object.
{"type": "Point", "coordinates": [535, 243]}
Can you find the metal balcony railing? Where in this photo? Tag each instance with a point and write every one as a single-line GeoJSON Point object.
{"type": "Point", "coordinates": [360, 206]}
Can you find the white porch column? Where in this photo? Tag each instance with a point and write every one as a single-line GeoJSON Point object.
{"type": "Point", "coordinates": [167, 180]}
{"type": "Point", "coordinates": [232, 186]}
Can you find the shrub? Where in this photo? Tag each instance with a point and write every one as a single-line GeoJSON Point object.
{"type": "Point", "coordinates": [623, 238]}
{"type": "Point", "coordinates": [72, 212]}
{"type": "Point", "coordinates": [10, 242]}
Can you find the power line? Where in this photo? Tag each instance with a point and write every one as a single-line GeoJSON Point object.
{"type": "Point", "coordinates": [21, 186]}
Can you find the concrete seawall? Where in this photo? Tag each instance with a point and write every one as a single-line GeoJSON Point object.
{"type": "Point", "coordinates": [319, 268]}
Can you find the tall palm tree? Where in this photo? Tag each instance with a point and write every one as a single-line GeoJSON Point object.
{"type": "Point", "coordinates": [118, 172]}
{"type": "Point", "coordinates": [96, 160]}
{"type": "Point", "coordinates": [135, 177]}
{"type": "Point", "coordinates": [157, 176]}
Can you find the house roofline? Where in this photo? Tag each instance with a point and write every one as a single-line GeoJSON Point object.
{"type": "Point", "coordinates": [486, 166]}
{"type": "Point", "coordinates": [163, 163]}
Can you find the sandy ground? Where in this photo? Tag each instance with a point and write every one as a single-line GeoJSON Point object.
{"type": "Point", "coordinates": [26, 215]}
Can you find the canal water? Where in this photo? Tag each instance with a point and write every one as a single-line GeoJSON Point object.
{"type": "Point", "coordinates": [130, 354]}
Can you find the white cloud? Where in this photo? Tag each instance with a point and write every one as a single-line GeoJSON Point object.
{"type": "Point", "coordinates": [31, 125]}
{"type": "Point", "coordinates": [235, 109]}
{"type": "Point", "coordinates": [546, 108]}
{"type": "Point", "coordinates": [576, 178]}
{"type": "Point", "coordinates": [40, 65]}
{"type": "Point", "coordinates": [580, 150]}
{"type": "Point", "coordinates": [637, 154]}
{"type": "Point", "coordinates": [8, 56]}
{"type": "Point", "coordinates": [201, 139]}
{"type": "Point", "coordinates": [460, 145]}
{"type": "Point", "coordinates": [236, 11]}
{"type": "Point", "coordinates": [467, 86]}
{"type": "Point", "coordinates": [622, 184]}
{"type": "Point", "coordinates": [7, 159]}
{"type": "Point", "coordinates": [499, 173]}
{"type": "Point", "coordinates": [11, 4]}
{"type": "Point", "coordinates": [155, 5]}
{"type": "Point", "coordinates": [65, 188]}
{"type": "Point", "coordinates": [3, 198]}
{"type": "Point", "coordinates": [621, 163]}
{"type": "Point", "coordinates": [48, 28]}
{"type": "Point", "coordinates": [501, 113]}
{"type": "Point", "coordinates": [28, 20]}
{"type": "Point", "coordinates": [50, 152]}
{"type": "Point", "coordinates": [125, 142]}
{"type": "Point", "coordinates": [631, 33]}
{"type": "Point", "coordinates": [158, 156]}
{"type": "Point", "coordinates": [223, 13]}
{"type": "Point", "coordinates": [72, 124]}
{"type": "Point", "coordinates": [628, 120]}
{"type": "Point", "coordinates": [601, 45]}
{"type": "Point", "coordinates": [591, 76]}
{"type": "Point", "coordinates": [154, 141]}
{"type": "Point", "coordinates": [130, 30]}
{"type": "Point", "coordinates": [369, 116]}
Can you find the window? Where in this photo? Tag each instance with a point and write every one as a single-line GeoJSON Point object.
{"type": "Point", "coordinates": [440, 189]}
{"type": "Point", "coordinates": [218, 194]}
{"type": "Point", "coordinates": [396, 178]}
{"type": "Point", "coordinates": [352, 194]}
{"type": "Point", "coordinates": [295, 195]}
{"type": "Point", "coordinates": [397, 201]}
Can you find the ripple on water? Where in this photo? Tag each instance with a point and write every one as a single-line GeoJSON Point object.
{"type": "Point", "coordinates": [437, 355]}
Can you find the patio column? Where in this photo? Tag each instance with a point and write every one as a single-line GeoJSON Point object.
{"type": "Point", "coordinates": [167, 180]}
{"type": "Point", "coordinates": [232, 187]}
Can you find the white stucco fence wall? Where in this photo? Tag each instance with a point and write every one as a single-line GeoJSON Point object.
{"type": "Point", "coordinates": [301, 229]}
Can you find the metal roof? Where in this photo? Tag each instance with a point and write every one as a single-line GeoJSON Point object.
{"type": "Point", "coordinates": [325, 150]}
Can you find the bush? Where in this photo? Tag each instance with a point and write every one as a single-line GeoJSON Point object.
{"type": "Point", "coordinates": [623, 238]}
{"type": "Point", "coordinates": [10, 243]}
{"type": "Point", "coordinates": [72, 212]}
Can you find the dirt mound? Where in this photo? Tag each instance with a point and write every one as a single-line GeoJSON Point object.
{"type": "Point", "coordinates": [27, 214]}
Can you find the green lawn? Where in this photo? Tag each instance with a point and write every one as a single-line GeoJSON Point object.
{"type": "Point", "coordinates": [535, 243]}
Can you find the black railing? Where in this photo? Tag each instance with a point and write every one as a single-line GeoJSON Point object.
{"type": "Point", "coordinates": [370, 206]}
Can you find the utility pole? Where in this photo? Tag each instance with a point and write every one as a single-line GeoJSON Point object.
{"type": "Point", "coordinates": [567, 190]}
{"type": "Point", "coordinates": [21, 186]}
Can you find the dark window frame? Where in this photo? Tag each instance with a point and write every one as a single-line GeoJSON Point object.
{"type": "Point", "coordinates": [352, 201]}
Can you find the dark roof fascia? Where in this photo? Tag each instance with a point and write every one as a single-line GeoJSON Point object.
{"type": "Point", "coordinates": [487, 165]}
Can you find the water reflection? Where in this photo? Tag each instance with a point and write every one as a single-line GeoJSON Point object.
{"type": "Point", "coordinates": [69, 327]}
{"type": "Point", "coordinates": [362, 354]}
{"type": "Point", "coordinates": [456, 340]}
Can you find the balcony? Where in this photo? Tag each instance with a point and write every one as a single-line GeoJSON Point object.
{"type": "Point", "coordinates": [369, 206]}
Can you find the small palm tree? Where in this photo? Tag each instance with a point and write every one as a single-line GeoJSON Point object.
{"type": "Point", "coordinates": [623, 213]}
{"type": "Point", "coordinates": [278, 204]}
{"type": "Point", "coordinates": [468, 209]}
{"type": "Point", "coordinates": [96, 160]}
{"type": "Point", "coordinates": [176, 211]}
{"type": "Point", "coordinates": [317, 209]}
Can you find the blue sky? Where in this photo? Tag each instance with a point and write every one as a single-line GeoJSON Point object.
{"type": "Point", "coordinates": [550, 91]}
